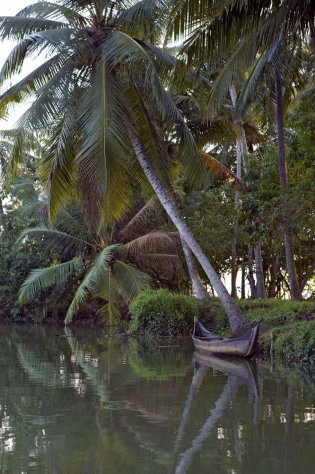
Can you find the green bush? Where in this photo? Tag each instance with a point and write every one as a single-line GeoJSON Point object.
{"type": "Point", "coordinates": [171, 314]}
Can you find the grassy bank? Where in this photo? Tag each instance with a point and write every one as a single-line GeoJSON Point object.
{"type": "Point", "coordinates": [292, 327]}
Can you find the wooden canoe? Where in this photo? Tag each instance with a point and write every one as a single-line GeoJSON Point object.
{"type": "Point", "coordinates": [210, 343]}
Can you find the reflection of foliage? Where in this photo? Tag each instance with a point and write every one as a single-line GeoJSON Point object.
{"type": "Point", "coordinates": [300, 375]}
{"type": "Point", "coordinates": [38, 369]}
{"type": "Point", "coordinates": [158, 362]}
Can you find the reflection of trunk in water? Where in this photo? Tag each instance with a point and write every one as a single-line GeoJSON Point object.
{"type": "Point", "coordinates": [238, 371]}
{"type": "Point", "coordinates": [226, 396]}
{"type": "Point", "coordinates": [196, 381]}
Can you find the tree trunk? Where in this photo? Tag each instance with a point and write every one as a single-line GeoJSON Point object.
{"type": "Point", "coordinates": [294, 285]}
{"type": "Point", "coordinates": [234, 268]}
{"type": "Point", "coordinates": [274, 272]}
{"type": "Point", "coordinates": [243, 295]}
{"type": "Point", "coordinates": [239, 152]}
{"type": "Point", "coordinates": [260, 284]}
{"type": "Point", "coordinates": [312, 28]}
{"type": "Point", "coordinates": [2, 218]}
{"type": "Point", "coordinates": [237, 319]}
{"type": "Point", "coordinates": [198, 287]}
{"type": "Point", "coordinates": [251, 280]}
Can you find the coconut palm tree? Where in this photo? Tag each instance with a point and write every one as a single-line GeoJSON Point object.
{"type": "Point", "coordinates": [106, 268]}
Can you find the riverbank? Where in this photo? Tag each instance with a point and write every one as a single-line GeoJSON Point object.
{"type": "Point", "coordinates": [287, 327]}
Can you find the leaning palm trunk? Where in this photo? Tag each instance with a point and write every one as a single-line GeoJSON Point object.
{"type": "Point", "coordinates": [293, 281]}
{"type": "Point", "coordinates": [198, 287]}
{"type": "Point", "coordinates": [237, 319]}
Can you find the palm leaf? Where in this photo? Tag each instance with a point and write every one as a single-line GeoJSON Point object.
{"type": "Point", "coordinates": [214, 166]}
{"type": "Point", "coordinates": [152, 242]}
{"type": "Point", "coordinates": [139, 221]}
{"type": "Point", "coordinates": [17, 27]}
{"type": "Point", "coordinates": [91, 280]}
{"type": "Point", "coordinates": [45, 278]}
{"type": "Point", "coordinates": [54, 239]}
{"type": "Point", "coordinates": [130, 281]}
{"type": "Point", "coordinates": [105, 150]}
{"type": "Point", "coordinates": [54, 11]}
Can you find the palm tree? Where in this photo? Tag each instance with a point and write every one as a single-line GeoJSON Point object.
{"type": "Point", "coordinates": [100, 103]}
{"type": "Point", "coordinates": [97, 266]}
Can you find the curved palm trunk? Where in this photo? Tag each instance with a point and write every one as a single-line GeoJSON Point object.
{"type": "Point", "coordinates": [294, 285]}
{"type": "Point", "coordinates": [198, 288]}
{"type": "Point", "coordinates": [237, 319]}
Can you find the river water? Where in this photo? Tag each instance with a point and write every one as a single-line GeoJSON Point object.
{"type": "Point", "coordinates": [76, 401]}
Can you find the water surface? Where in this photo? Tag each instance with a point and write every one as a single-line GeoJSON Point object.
{"type": "Point", "coordinates": [80, 402]}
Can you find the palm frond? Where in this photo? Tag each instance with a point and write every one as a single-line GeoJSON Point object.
{"type": "Point", "coordinates": [105, 149]}
{"type": "Point", "coordinates": [251, 83]}
{"type": "Point", "coordinates": [135, 226]}
{"type": "Point", "coordinates": [91, 280]}
{"type": "Point", "coordinates": [139, 20]}
{"type": "Point", "coordinates": [17, 27]}
{"type": "Point", "coordinates": [54, 11]}
{"type": "Point", "coordinates": [152, 242]}
{"type": "Point", "coordinates": [214, 166]}
{"type": "Point", "coordinates": [54, 239]}
{"type": "Point", "coordinates": [130, 281]}
{"type": "Point", "coordinates": [109, 293]}
{"type": "Point", "coordinates": [166, 265]}
{"type": "Point", "coordinates": [44, 278]}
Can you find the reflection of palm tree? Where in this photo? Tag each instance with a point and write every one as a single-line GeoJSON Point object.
{"type": "Point", "coordinates": [39, 370]}
{"type": "Point", "coordinates": [98, 380]}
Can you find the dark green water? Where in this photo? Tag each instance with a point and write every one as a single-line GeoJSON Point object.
{"type": "Point", "coordinates": [82, 403]}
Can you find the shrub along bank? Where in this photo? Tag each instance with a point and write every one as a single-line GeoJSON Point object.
{"type": "Point", "coordinates": [289, 325]}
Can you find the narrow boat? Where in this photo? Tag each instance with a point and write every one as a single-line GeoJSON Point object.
{"type": "Point", "coordinates": [210, 343]}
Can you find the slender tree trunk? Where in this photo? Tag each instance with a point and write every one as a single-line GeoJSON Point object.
{"type": "Point", "coordinates": [243, 295]}
{"type": "Point", "coordinates": [237, 319]}
{"type": "Point", "coordinates": [198, 287]}
{"type": "Point", "coordinates": [251, 280]}
{"type": "Point", "coordinates": [239, 152]}
{"type": "Point", "coordinates": [234, 268]}
{"type": "Point", "coordinates": [274, 271]}
{"type": "Point", "coordinates": [2, 219]}
{"type": "Point", "coordinates": [294, 285]}
{"type": "Point", "coordinates": [312, 28]}
{"type": "Point", "coordinates": [260, 284]}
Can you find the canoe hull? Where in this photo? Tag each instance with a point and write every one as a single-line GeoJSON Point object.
{"type": "Point", "coordinates": [242, 347]}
